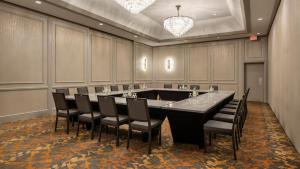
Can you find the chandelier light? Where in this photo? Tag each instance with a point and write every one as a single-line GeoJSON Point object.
{"type": "Point", "coordinates": [178, 25]}
{"type": "Point", "coordinates": [135, 6]}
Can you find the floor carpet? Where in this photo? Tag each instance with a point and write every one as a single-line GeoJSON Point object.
{"type": "Point", "coordinates": [34, 144]}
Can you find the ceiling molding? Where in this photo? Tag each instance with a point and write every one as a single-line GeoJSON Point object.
{"type": "Point", "coordinates": [63, 10]}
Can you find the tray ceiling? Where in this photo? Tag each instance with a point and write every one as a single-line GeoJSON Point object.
{"type": "Point", "coordinates": [211, 16]}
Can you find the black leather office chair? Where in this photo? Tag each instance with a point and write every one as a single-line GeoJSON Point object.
{"type": "Point", "coordinates": [195, 87]}
{"type": "Point", "coordinates": [139, 119]}
{"type": "Point", "coordinates": [168, 86]}
{"type": "Point", "coordinates": [63, 90]}
{"type": "Point", "coordinates": [114, 88]}
{"type": "Point", "coordinates": [99, 89]}
{"type": "Point", "coordinates": [87, 115]}
{"type": "Point", "coordinates": [136, 86]}
{"type": "Point", "coordinates": [109, 112]}
{"type": "Point", "coordinates": [125, 87]}
{"type": "Point", "coordinates": [219, 127]}
{"type": "Point", "coordinates": [82, 90]}
{"type": "Point", "coordinates": [62, 110]}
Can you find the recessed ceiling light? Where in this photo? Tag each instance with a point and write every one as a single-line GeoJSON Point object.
{"type": "Point", "coordinates": [214, 14]}
{"type": "Point", "coordinates": [260, 19]}
{"type": "Point", "coordinates": [135, 36]}
{"type": "Point", "coordinates": [100, 24]}
{"type": "Point", "coordinates": [38, 2]}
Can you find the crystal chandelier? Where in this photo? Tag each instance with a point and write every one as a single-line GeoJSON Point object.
{"type": "Point", "coordinates": [135, 6]}
{"type": "Point", "coordinates": [178, 25]}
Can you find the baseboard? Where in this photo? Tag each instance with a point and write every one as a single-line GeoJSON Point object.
{"type": "Point", "coordinates": [24, 116]}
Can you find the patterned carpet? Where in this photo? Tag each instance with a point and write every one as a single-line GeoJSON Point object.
{"type": "Point", "coordinates": [34, 144]}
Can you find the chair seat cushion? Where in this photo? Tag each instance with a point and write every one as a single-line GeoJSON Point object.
{"type": "Point", "coordinates": [224, 117]}
{"type": "Point", "coordinates": [113, 120]}
{"type": "Point", "coordinates": [63, 113]}
{"type": "Point", "coordinates": [87, 117]}
{"type": "Point", "coordinates": [144, 125]}
{"type": "Point", "coordinates": [230, 106]}
{"type": "Point", "coordinates": [228, 111]}
{"type": "Point", "coordinates": [233, 103]}
{"type": "Point", "coordinates": [218, 126]}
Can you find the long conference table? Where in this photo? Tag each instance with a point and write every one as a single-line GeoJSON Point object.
{"type": "Point", "coordinates": [186, 115]}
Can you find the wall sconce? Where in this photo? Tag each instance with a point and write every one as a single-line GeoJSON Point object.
{"type": "Point", "coordinates": [169, 64]}
{"type": "Point", "coordinates": [144, 64]}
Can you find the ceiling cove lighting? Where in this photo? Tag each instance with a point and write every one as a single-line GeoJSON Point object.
{"type": "Point", "coordinates": [178, 25]}
{"type": "Point", "coordinates": [169, 64]}
{"type": "Point", "coordinates": [135, 6]}
{"type": "Point", "coordinates": [144, 64]}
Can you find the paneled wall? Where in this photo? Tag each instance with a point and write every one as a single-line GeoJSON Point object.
{"type": "Point", "coordinates": [124, 58]}
{"type": "Point", "coordinates": [23, 63]}
{"type": "Point", "coordinates": [39, 53]}
{"type": "Point", "coordinates": [220, 63]}
{"type": "Point", "coordinates": [177, 53]}
{"type": "Point", "coordinates": [143, 63]}
{"type": "Point", "coordinates": [284, 68]}
{"type": "Point", "coordinates": [69, 53]}
{"type": "Point", "coordinates": [101, 58]}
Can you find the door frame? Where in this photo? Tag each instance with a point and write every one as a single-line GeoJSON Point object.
{"type": "Point", "coordinates": [265, 90]}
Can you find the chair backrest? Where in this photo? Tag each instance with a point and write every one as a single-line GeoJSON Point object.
{"type": "Point", "coordinates": [63, 90]}
{"type": "Point", "coordinates": [237, 113]}
{"type": "Point", "coordinates": [60, 101]}
{"type": "Point", "coordinates": [182, 86]}
{"type": "Point", "coordinates": [107, 106]}
{"type": "Point", "coordinates": [82, 90]}
{"type": "Point", "coordinates": [215, 87]}
{"type": "Point", "coordinates": [136, 86]}
{"type": "Point", "coordinates": [99, 89]}
{"type": "Point", "coordinates": [168, 86]}
{"type": "Point", "coordinates": [83, 103]}
{"type": "Point", "coordinates": [125, 87]}
{"type": "Point", "coordinates": [195, 87]}
{"type": "Point", "coordinates": [114, 88]}
{"type": "Point", "coordinates": [244, 101]}
{"type": "Point", "coordinates": [138, 109]}
{"type": "Point", "coordinates": [247, 93]}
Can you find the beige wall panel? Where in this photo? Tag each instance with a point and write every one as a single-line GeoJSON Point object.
{"type": "Point", "coordinates": [177, 54]}
{"type": "Point", "coordinates": [199, 64]}
{"type": "Point", "coordinates": [124, 61]}
{"type": "Point", "coordinates": [204, 86]}
{"type": "Point", "coordinates": [253, 49]}
{"type": "Point", "coordinates": [284, 68]}
{"type": "Point", "coordinates": [231, 87]}
{"type": "Point", "coordinates": [143, 52]}
{"type": "Point", "coordinates": [16, 102]}
{"type": "Point", "coordinates": [223, 63]}
{"type": "Point", "coordinates": [70, 54]}
{"type": "Point", "coordinates": [101, 58]}
{"type": "Point", "coordinates": [21, 48]}
{"type": "Point", "coordinates": [256, 51]}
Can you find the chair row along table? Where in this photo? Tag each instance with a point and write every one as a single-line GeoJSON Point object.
{"type": "Point", "coordinates": [186, 114]}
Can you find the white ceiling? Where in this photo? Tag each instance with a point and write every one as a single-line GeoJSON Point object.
{"type": "Point", "coordinates": [229, 17]}
{"type": "Point", "coordinates": [235, 18]}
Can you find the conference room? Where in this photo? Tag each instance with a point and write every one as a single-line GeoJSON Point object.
{"type": "Point", "coordinates": [149, 84]}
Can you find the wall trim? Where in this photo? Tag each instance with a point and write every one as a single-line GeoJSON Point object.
{"type": "Point", "coordinates": [24, 116]}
